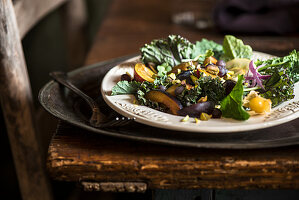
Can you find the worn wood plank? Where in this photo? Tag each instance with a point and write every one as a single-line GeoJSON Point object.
{"type": "Point", "coordinates": [16, 102]}
{"type": "Point", "coordinates": [76, 155]}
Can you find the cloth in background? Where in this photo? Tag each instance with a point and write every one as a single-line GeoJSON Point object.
{"type": "Point", "coordinates": [257, 16]}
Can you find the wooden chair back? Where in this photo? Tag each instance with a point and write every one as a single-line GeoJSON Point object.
{"type": "Point", "coordinates": [16, 19]}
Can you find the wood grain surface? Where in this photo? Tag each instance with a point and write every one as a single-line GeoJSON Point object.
{"type": "Point", "coordinates": [77, 155]}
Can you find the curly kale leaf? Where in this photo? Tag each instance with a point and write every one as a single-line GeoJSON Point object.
{"type": "Point", "coordinates": [278, 88]}
{"type": "Point", "coordinates": [188, 97]}
{"type": "Point", "coordinates": [202, 46]}
{"type": "Point", "coordinates": [235, 48]}
{"type": "Point", "coordinates": [170, 51]}
{"type": "Point", "coordinates": [212, 88]}
{"type": "Point", "coordinates": [284, 73]}
{"type": "Point", "coordinates": [289, 62]}
{"type": "Point", "coordinates": [206, 86]}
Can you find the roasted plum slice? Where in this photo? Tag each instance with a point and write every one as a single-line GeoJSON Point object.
{"type": "Point", "coordinates": [171, 89]}
{"type": "Point", "coordinates": [184, 75]}
{"type": "Point", "coordinates": [196, 109]}
{"type": "Point", "coordinates": [143, 73]}
{"type": "Point", "coordinates": [166, 99]}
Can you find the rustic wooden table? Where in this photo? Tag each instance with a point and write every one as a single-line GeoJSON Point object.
{"type": "Point", "coordinates": [105, 163]}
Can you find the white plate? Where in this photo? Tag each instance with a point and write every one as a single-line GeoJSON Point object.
{"type": "Point", "coordinates": [123, 104]}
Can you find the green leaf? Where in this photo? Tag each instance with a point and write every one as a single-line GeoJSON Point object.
{"type": "Point", "coordinates": [170, 50]}
{"type": "Point", "coordinates": [163, 69]}
{"type": "Point", "coordinates": [231, 105]}
{"type": "Point", "coordinates": [125, 87]}
{"type": "Point", "coordinates": [279, 88]}
{"type": "Point", "coordinates": [202, 46]}
{"type": "Point", "coordinates": [235, 48]}
{"type": "Point", "coordinates": [289, 62]}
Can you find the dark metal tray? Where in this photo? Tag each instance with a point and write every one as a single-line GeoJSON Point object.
{"type": "Point", "coordinates": [70, 108]}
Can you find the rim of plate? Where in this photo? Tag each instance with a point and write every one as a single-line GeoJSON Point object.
{"type": "Point", "coordinates": [190, 127]}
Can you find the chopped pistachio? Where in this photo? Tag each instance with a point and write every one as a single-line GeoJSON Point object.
{"type": "Point", "coordinates": [202, 99]}
{"type": "Point", "coordinates": [193, 78]}
{"type": "Point", "coordinates": [205, 117]}
{"type": "Point", "coordinates": [185, 119]}
{"type": "Point", "coordinates": [172, 76]}
{"type": "Point", "coordinates": [231, 72]}
{"type": "Point", "coordinates": [174, 82]}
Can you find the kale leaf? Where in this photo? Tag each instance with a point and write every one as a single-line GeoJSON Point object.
{"type": "Point", "coordinates": [284, 73]}
{"type": "Point", "coordinates": [235, 48]}
{"type": "Point", "coordinates": [189, 96]}
{"type": "Point", "coordinates": [170, 51]}
{"type": "Point", "coordinates": [175, 49]}
{"type": "Point", "coordinates": [212, 88]}
{"type": "Point", "coordinates": [202, 46]}
{"type": "Point", "coordinates": [231, 105]}
{"type": "Point", "coordinates": [140, 96]}
{"type": "Point", "coordinates": [206, 86]}
{"type": "Point", "coordinates": [125, 87]}
{"type": "Point", "coordinates": [278, 88]}
{"type": "Point", "coordinates": [289, 62]}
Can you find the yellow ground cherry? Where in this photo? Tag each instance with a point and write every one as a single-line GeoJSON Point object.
{"type": "Point", "coordinates": [260, 104]}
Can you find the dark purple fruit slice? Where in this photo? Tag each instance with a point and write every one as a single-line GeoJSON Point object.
{"type": "Point", "coordinates": [196, 109]}
{"type": "Point", "coordinates": [166, 99]}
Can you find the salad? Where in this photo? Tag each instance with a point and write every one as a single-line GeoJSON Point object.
{"type": "Point", "coordinates": [208, 80]}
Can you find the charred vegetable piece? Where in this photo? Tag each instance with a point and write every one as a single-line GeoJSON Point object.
{"type": "Point", "coordinates": [171, 89]}
{"type": "Point", "coordinates": [212, 69]}
{"type": "Point", "coordinates": [143, 73]}
{"type": "Point", "coordinates": [184, 75]}
{"type": "Point", "coordinates": [210, 60]}
{"type": "Point", "coordinates": [166, 99]}
{"type": "Point", "coordinates": [182, 67]}
{"type": "Point", "coordinates": [195, 110]}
